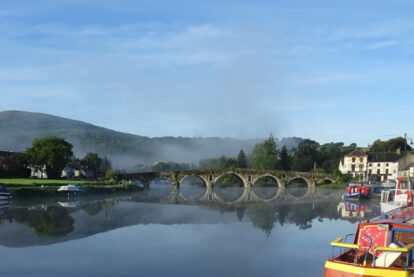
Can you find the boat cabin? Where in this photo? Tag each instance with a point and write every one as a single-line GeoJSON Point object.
{"type": "Point", "coordinates": [382, 246]}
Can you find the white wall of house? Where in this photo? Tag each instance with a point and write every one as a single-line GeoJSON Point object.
{"type": "Point", "coordinates": [354, 165]}
{"type": "Point", "coordinates": [386, 170]}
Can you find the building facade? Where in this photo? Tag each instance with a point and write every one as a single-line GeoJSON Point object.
{"type": "Point", "coordinates": [355, 163]}
{"type": "Point", "coordinates": [383, 166]}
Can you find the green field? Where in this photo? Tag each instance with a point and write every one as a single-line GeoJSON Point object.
{"type": "Point", "coordinates": [26, 182]}
{"type": "Point", "coordinates": [35, 188]}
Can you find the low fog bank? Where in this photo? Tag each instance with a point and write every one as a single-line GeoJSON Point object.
{"type": "Point", "coordinates": [125, 151]}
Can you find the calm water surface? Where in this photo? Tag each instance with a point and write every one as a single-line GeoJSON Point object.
{"type": "Point", "coordinates": [191, 232]}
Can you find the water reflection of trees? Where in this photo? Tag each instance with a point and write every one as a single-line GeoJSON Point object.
{"type": "Point", "coordinates": [52, 221]}
{"type": "Point", "coordinates": [56, 221]}
{"type": "Point", "coordinates": [265, 217]}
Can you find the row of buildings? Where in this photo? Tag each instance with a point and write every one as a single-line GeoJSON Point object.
{"type": "Point", "coordinates": [379, 166]}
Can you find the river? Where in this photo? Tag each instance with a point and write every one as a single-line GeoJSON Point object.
{"type": "Point", "coordinates": [159, 232]}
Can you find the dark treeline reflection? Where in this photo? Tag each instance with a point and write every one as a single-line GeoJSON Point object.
{"type": "Point", "coordinates": [70, 219]}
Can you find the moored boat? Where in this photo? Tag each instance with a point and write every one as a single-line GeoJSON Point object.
{"type": "Point", "coordinates": [400, 196]}
{"type": "Point", "coordinates": [70, 188]}
{"type": "Point", "coordinates": [382, 246]}
{"type": "Point", "coordinates": [4, 194]}
{"type": "Point", "coordinates": [357, 191]}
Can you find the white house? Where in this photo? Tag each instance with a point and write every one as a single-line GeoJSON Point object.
{"type": "Point", "coordinates": [383, 165]}
{"type": "Point", "coordinates": [38, 172]}
{"type": "Point", "coordinates": [354, 163]}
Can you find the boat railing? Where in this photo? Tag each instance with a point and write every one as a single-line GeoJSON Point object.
{"type": "Point", "coordinates": [389, 195]}
{"type": "Point", "coordinates": [338, 243]}
{"type": "Point", "coordinates": [407, 249]}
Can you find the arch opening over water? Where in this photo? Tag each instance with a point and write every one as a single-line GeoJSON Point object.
{"type": "Point", "coordinates": [138, 183]}
{"type": "Point", "coordinates": [228, 180]}
{"type": "Point", "coordinates": [266, 187]}
{"type": "Point", "coordinates": [229, 187]}
{"type": "Point", "coordinates": [192, 187]}
{"type": "Point", "coordinates": [297, 187]}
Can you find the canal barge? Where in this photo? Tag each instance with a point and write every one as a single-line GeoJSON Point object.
{"type": "Point", "coordinates": [382, 246]}
{"type": "Point", "coordinates": [357, 191]}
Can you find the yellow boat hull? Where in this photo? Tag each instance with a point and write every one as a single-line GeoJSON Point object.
{"type": "Point", "coordinates": [335, 269]}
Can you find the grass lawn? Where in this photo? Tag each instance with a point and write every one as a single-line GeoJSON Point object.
{"type": "Point", "coordinates": [41, 181]}
{"type": "Point", "coordinates": [332, 186]}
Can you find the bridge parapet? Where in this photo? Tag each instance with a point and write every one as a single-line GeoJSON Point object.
{"type": "Point", "coordinates": [248, 176]}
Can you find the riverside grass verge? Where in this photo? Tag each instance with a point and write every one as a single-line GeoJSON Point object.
{"type": "Point", "coordinates": [35, 188]}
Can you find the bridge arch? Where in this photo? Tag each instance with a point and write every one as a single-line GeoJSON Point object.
{"type": "Point", "coordinates": [276, 179]}
{"type": "Point", "coordinates": [240, 176]}
{"type": "Point", "coordinates": [193, 189]}
{"type": "Point", "coordinates": [300, 178]}
{"type": "Point", "coordinates": [160, 179]}
{"type": "Point", "coordinates": [326, 181]}
{"type": "Point", "coordinates": [202, 178]}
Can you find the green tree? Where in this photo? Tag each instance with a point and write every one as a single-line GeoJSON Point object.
{"type": "Point", "coordinates": [329, 155]}
{"type": "Point", "coordinates": [92, 162]}
{"type": "Point", "coordinates": [285, 159]}
{"type": "Point", "coordinates": [110, 175]}
{"type": "Point", "coordinates": [390, 145]}
{"type": "Point", "coordinates": [305, 155]}
{"type": "Point", "coordinates": [105, 165]}
{"type": "Point", "coordinates": [264, 155]}
{"type": "Point", "coordinates": [53, 152]}
{"type": "Point", "coordinates": [242, 160]}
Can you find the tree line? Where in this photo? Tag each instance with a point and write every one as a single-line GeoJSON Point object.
{"type": "Point", "coordinates": [52, 154]}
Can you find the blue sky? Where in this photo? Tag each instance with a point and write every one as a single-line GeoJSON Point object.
{"type": "Point", "coordinates": [327, 70]}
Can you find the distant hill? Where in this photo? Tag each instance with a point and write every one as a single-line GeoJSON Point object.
{"type": "Point", "coordinates": [18, 129]}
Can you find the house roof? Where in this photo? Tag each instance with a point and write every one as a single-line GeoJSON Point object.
{"type": "Point", "coordinates": [356, 153]}
{"type": "Point", "coordinates": [383, 157]}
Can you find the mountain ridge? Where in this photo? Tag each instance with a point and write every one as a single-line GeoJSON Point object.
{"type": "Point", "coordinates": [19, 128]}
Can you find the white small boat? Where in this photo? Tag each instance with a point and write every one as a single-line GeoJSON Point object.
{"type": "Point", "coordinates": [400, 196]}
{"type": "Point", "coordinates": [4, 194]}
{"type": "Point", "coordinates": [70, 188]}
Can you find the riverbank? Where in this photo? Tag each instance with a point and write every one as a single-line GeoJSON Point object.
{"type": "Point", "coordinates": [35, 188]}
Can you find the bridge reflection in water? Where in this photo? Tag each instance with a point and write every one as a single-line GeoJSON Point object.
{"type": "Point", "coordinates": [241, 195]}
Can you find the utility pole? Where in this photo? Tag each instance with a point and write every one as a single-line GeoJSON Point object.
{"type": "Point", "coordinates": [405, 143]}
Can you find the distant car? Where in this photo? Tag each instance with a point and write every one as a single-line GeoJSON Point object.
{"type": "Point", "coordinates": [4, 194]}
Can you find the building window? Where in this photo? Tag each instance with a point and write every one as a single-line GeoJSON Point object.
{"type": "Point", "coordinates": [353, 160]}
{"type": "Point", "coordinates": [353, 168]}
{"type": "Point", "coordinates": [370, 172]}
{"type": "Point", "coordinates": [378, 164]}
{"type": "Point", "coordinates": [386, 171]}
{"type": "Point", "coordinates": [370, 164]}
{"type": "Point", "coordinates": [378, 171]}
{"type": "Point", "coordinates": [386, 164]}
{"type": "Point", "coordinates": [361, 159]}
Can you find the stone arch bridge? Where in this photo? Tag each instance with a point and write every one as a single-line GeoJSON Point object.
{"type": "Point", "coordinates": [247, 176]}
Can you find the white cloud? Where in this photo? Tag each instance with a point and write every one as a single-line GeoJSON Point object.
{"type": "Point", "coordinates": [382, 44]}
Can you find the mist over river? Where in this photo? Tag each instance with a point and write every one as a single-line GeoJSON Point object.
{"type": "Point", "coordinates": [185, 232]}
